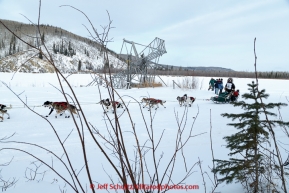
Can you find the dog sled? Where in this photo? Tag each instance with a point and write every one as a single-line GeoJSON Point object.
{"type": "Point", "coordinates": [221, 98]}
{"type": "Point", "coordinates": [225, 97]}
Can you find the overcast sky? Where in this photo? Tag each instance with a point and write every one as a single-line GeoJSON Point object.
{"type": "Point", "coordinates": [196, 32]}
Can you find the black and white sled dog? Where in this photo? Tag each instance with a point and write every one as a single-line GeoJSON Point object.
{"type": "Point", "coordinates": [181, 100]}
{"type": "Point", "coordinates": [188, 100]}
{"type": "Point", "coordinates": [110, 105]}
{"type": "Point", "coordinates": [3, 110]}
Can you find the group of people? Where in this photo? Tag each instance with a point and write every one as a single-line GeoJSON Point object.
{"type": "Point", "coordinates": [217, 86]}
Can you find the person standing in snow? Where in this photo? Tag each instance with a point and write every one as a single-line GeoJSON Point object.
{"type": "Point", "coordinates": [212, 84]}
{"type": "Point", "coordinates": [229, 87]}
{"type": "Point", "coordinates": [221, 86]}
{"type": "Point", "coordinates": [217, 86]}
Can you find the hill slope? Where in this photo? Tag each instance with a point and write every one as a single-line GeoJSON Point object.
{"type": "Point", "coordinates": [70, 52]}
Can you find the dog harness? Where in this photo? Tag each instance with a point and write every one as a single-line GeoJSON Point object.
{"type": "Point", "coordinates": [116, 104]}
{"type": "Point", "coordinates": [62, 104]}
{"type": "Point", "coordinates": [156, 101]}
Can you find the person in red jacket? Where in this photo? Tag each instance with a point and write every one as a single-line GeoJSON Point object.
{"type": "Point", "coordinates": [235, 95]}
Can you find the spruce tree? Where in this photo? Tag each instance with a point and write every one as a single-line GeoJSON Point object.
{"type": "Point", "coordinates": [40, 56]}
{"type": "Point", "coordinates": [247, 162]}
{"type": "Point", "coordinates": [42, 38]}
{"type": "Point", "coordinates": [14, 48]}
{"type": "Point", "coordinates": [79, 65]}
{"type": "Point", "coordinates": [54, 49]}
{"type": "Point", "coordinates": [61, 48]}
{"type": "Point", "coordinates": [10, 49]}
{"type": "Point", "coordinates": [69, 46]}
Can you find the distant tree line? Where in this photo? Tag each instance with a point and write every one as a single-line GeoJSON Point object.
{"type": "Point", "coordinates": [219, 74]}
{"type": "Point", "coordinates": [180, 71]}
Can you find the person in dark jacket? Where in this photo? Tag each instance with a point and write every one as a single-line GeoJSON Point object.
{"type": "Point", "coordinates": [218, 81]}
{"type": "Point", "coordinates": [221, 86]}
{"type": "Point", "coordinates": [212, 84]}
{"type": "Point", "coordinates": [230, 86]}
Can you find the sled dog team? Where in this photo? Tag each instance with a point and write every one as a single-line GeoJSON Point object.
{"type": "Point", "coordinates": [108, 105]}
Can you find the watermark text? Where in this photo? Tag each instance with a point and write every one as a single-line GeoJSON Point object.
{"type": "Point", "coordinates": [143, 187]}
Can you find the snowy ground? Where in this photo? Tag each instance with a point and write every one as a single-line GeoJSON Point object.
{"type": "Point", "coordinates": [28, 127]}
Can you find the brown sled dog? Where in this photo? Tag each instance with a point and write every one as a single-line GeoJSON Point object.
{"type": "Point", "coordinates": [146, 101]}
{"type": "Point", "coordinates": [61, 107]}
{"type": "Point", "coordinates": [156, 103]}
